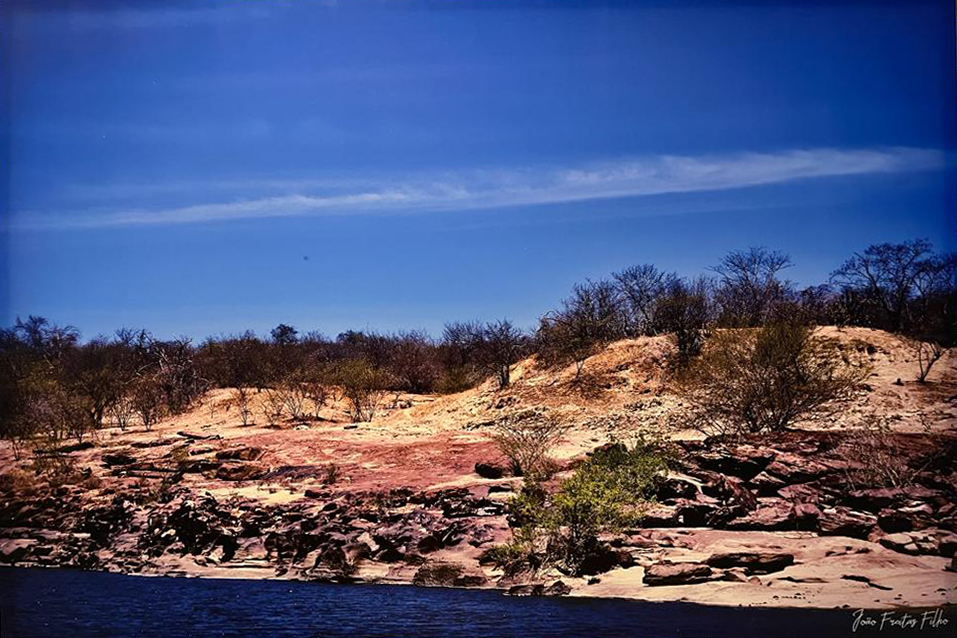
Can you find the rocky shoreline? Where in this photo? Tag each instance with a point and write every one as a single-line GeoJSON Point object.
{"type": "Point", "coordinates": [775, 522]}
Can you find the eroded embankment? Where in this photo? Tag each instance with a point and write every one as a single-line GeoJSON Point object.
{"type": "Point", "coordinates": [783, 521]}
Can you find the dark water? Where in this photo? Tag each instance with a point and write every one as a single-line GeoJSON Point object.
{"type": "Point", "coordinates": [74, 604]}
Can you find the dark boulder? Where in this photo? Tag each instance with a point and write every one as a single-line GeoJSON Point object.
{"type": "Point", "coordinates": [893, 521]}
{"type": "Point", "coordinates": [672, 487]}
{"type": "Point", "coordinates": [752, 562]}
{"type": "Point", "coordinates": [766, 484]}
{"type": "Point", "coordinates": [198, 466]}
{"type": "Point", "coordinates": [731, 490]}
{"type": "Point", "coordinates": [15, 550]}
{"type": "Point", "coordinates": [240, 454]}
{"type": "Point", "coordinates": [744, 461]}
{"type": "Point", "coordinates": [660, 516]}
{"type": "Point", "coordinates": [801, 493]}
{"type": "Point", "coordinates": [805, 516]}
{"type": "Point", "coordinates": [429, 544]}
{"type": "Point", "coordinates": [792, 468]}
{"type": "Point", "coordinates": [603, 559]}
{"type": "Point", "coordinates": [903, 543]}
{"type": "Point", "coordinates": [772, 514]}
{"type": "Point", "coordinates": [118, 458]}
{"type": "Point", "coordinates": [948, 545]}
{"type": "Point", "coordinates": [489, 470]}
{"type": "Point", "coordinates": [243, 472]}
{"type": "Point", "coordinates": [875, 499]}
{"type": "Point", "coordinates": [701, 514]}
{"type": "Point", "coordinates": [843, 521]}
{"type": "Point", "coordinates": [668, 573]}
{"type": "Point", "coordinates": [557, 588]}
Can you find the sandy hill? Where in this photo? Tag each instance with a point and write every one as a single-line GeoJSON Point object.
{"type": "Point", "coordinates": [434, 441]}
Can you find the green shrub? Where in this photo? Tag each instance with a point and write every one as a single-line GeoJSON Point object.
{"type": "Point", "coordinates": [606, 492]}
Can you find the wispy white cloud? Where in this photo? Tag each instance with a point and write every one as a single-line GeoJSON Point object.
{"type": "Point", "coordinates": [51, 16]}
{"type": "Point", "coordinates": [487, 189]}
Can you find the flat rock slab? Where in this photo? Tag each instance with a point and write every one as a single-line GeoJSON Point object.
{"type": "Point", "coordinates": [666, 573]}
{"type": "Point", "coordinates": [752, 562]}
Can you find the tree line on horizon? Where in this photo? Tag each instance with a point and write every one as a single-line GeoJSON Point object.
{"type": "Point", "coordinates": [53, 387]}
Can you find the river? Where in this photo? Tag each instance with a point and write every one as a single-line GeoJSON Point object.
{"type": "Point", "coordinates": [77, 604]}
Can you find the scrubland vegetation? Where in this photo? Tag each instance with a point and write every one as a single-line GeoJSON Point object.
{"type": "Point", "coordinates": [745, 361]}
{"type": "Point", "coordinates": [744, 355]}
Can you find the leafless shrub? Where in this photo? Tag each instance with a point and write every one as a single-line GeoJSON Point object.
{"type": "Point", "coordinates": [473, 348]}
{"type": "Point", "coordinates": [765, 379]}
{"type": "Point", "coordinates": [242, 399]}
{"type": "Point", "coordinates": [122, 411]}
{"type": "Point", "coordinates": [641, 289]}
{"type": "Point", "coordinates": [364, 387]}
{"type": "Point", "coordinates": [874, 459]}
{"type": "Point", "coordinates": [293, 397]}
{"type": "Point", "coordinates": [413, 362]}
{"type": "Point", "coordinates": [273, 404]}
{"type": "Point", "coordinates": [19, 482]}
{"type": "Point", "coordinates": [177, 374]}
{"type": "Point", "coordinates": [928, 353]}
{"type": "Point", "coordinates": [59, 469]}
{"type": "Point", "coordinates": [526, 439]}
{"type": "Point", "coordinates": [148, 400]}
{"type": "Point", "coordinates": [318, 393]}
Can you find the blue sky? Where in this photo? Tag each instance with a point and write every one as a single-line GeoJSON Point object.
{"type": "Point", "coordinates": [206, 167]}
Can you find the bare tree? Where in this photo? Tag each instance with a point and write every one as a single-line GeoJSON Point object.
{"type": "Point", "coordinates": [684, 312]}
{"type": "Point", "coordinates": [885, 275]}
{"type": "Point", "coordinates": [177, 375]}
{"type": "Point", "coordinates": [927, 353]}
{"type": "Point", "coordinates": [748, 285]}
{"type": "Point", "coordinates": [461, 344]}
{"type": "Point", "coordinates": [641, 288]}
{"type": "Point", "coordinates": [94, 375]}
{"type": "Point", "coordinates": [501, 345]}
{"type": "Point", "coordinates": [934, 310]}
{"type": "Point", "coordinates": [413, 362]}
{"type": "Point", "coordinates": [590, 319]}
